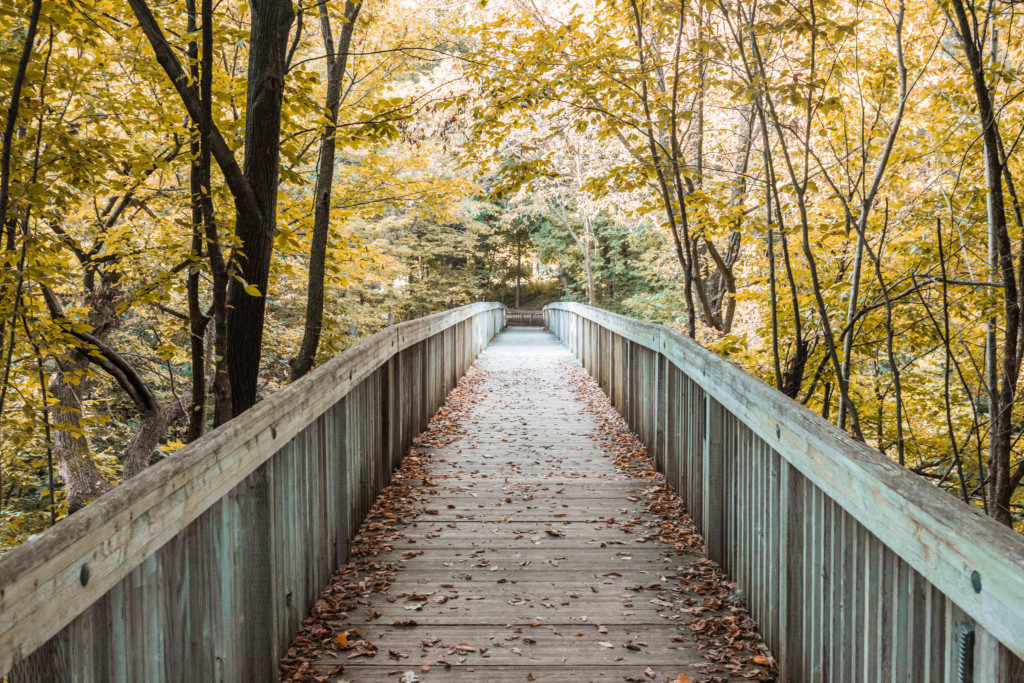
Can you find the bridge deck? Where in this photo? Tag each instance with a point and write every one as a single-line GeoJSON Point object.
{"type": "Point", "coordinates": [528, 555]}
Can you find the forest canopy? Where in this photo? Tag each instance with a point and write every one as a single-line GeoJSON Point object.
{"type": "Point", "coordinates": [203, 201]}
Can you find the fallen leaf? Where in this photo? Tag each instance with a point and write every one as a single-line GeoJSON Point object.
{"type": "Point", "coordinates": [363, 648]}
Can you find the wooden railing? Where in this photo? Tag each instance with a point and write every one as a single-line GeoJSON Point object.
{"type": "Point", "coordinates": [522, 317]}
{"type": "Point", "coordinates": [202, 567]}
{"type": "Point", "coordinates": [854, 568]}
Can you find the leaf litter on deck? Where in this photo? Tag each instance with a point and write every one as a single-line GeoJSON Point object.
{"type": "Point", "coordinates": [698, 595]}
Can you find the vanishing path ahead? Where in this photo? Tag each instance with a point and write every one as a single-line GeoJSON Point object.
{"type": "Point", "coordinates": [533, 555]}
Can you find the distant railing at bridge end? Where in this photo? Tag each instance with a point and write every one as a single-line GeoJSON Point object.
{"type": "Point", "coordinates": [522, 317]}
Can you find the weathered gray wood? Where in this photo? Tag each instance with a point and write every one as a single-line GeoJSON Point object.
{"type": "Point", "coordinates": [523, 317]}
{"type": "Point", "coordinates": [858, 561]}
{"type": "Point", "coordinates": [993, 662]}
{"type": "Point", "coordinates": [712, 484]}
{"type": "Point", "coordinates": [202, 567]}
{"type": "Point", "coordinates": [527, 464]}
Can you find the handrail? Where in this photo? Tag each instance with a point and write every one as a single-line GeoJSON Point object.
{"type": "Point", "coordinates": [244, 491]}
{"type": "Point", "coordinates": [524, 317]}
{"type": "Point", "coordinates": [829, 508]}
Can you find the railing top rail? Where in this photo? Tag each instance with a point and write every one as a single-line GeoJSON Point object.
{"type": "Point", "coordinates": [975, 561]}
{"type": "Point", "coordinates": [520, 316]}
{"type": "Point", "coordinates": [47, 581]}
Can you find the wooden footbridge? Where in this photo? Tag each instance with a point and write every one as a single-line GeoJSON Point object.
{"type": "Point", "coordinates": [204, 567]}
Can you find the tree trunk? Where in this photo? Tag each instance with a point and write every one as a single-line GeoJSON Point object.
{"type": "Point", "coordinates": [218, 269]}
{"type": "Point", "coordinates": [82, 478]}
{"type": "Point", "coordinates": [14, 108]}
{"type": "Point", "coordinates": [83, 481]}
{"type": "Point", "coordinates": [152, 425]}
{"type": "Point", "coordinates": [337, 61]}
{"type": "Point", "coordinates": [255, 225]}
{"type": "Point", "coordinates": [721, 283]}
{"type": "Point", "coordinates": [1001, 484]}
{"type": "Point", "coordinates": [519, 267]}
{"type": "Point", "coordinates": [197, 320]}
{"type": "Point", "coordinates": [851, 311]}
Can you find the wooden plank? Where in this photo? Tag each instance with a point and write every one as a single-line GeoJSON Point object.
{"type": "Point", "coordinates": [992, 661]}
{"type": "Point", "coordinates": [672, 429]}
{"type": "Point", "coordinates": [175, 617]}
{"type": "Point", "coordinates": [712, 483]}
{"type": "Point", "coordinates": [761, 587]}
{"type": "Point", "coordinates": [660, 411]}
{"type": "Point", "coordinates": [832, 646]}
{"type": "Point", "coordinates": [919, 625]}
{"type": "Point", "coordinates": [521, 317]}
{"type": "Point", "coordinates": [785, 650]}
{"type": "Point", "coordinates": [851, 583]}
{"type": "Point", "coordinates": [549, 647]}
{"type": "Point", "coordinates": [777, 562]}
{"type": "Point", "coordinates": [516, 673]}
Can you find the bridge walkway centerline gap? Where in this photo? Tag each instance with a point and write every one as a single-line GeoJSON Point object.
{"type": "Point", "coordinates": [532, 556]}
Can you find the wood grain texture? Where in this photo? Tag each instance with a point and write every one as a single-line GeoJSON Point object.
{"type": "Point", "coordinates": [201, 567]}
{"type": "Point", "coordinates": [866, 568]}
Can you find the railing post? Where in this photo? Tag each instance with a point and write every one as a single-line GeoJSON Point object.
{"type": "Point", "coordinates": [673, 425]}
{"type": "Point", "coordinates": [252, 586]}
{"type": "Point", "coordinates": [713, 490]}
{"type": "Point", "coordinates": [660, 410]}
{"type": "Point", "coordinates": [589, 329]}
{"type": "Point", "coordinates": [388, 422]}
{"type": "Point", "coordinates": [790, 542]}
